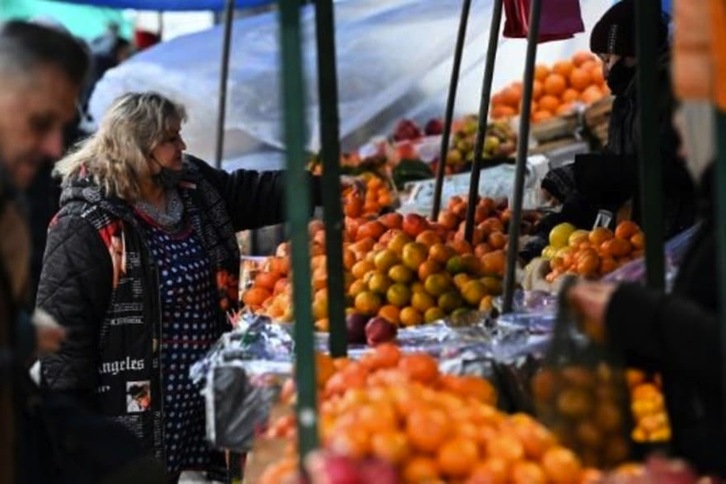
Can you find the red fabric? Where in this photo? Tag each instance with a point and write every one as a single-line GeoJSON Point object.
{"type": "Point", "coordinates": [560, 19]}
{"type": "Point", "coordinates": [144, 40]}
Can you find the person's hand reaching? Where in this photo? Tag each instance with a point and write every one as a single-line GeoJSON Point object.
{"type": "Point", "coordinates": [590, 301]}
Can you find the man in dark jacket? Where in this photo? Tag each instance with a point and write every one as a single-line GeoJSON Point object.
{"type": "Point", "coordinates": [677, 335]}
{"type": "Point", "coordinates": [608, 181]}
{"type": "Point", "coordinates": [44, 437]}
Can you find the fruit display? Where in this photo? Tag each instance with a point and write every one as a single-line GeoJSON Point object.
{"type": "Point", "coordinates": [648, 408]}
{"type": "Point", "coordinates": [405, 269]}
{"type": "Point", "coordinates": [500, 142]}
{"type": "Point", "coordinates": [395, 411]}
{"type": "Point", "coordinates": [556, 90]}
{"type": "Point", "coordinates": [378, 196]}
{"type": "Point", "coordinates": [586, 406]}
{"type": "Point", "coordinates": [592, 253]}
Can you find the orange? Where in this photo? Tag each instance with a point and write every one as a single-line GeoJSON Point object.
{"type": "Point", "coordinates": [390, 446]}
{"type": "Point", "coordinates": [421, 470]}
{"type": "Point", "coordinates": [352, 441]}
{"type": "Point", "coordinates": [448, 219]}
{"type": "Point", "coordinates": [541, 72]}
{"type": "Point", "coordinates": [493, 263]}
{"type": "Point", "coordinates": [422, 301]}
{"type": "Point", "coordinates": [638, 241]}
{"type": "Point", "coordinates": [491, 471]}
{"type": "Point", "coordinates": [565, 109]}
{"type": "Point", "coordinates": [511, 96]}
{"type": "Point", "coordinates": [528, 473]}
{"type": "Point", "coordinates": [419, 367]}
{"type": "Point", "coordinates": [391, 220]}
{"type": "Point", "coordinates": [320, 308]}
{"type": "Point", "coordinates": [378, 283]}
{"type": "Point", "coordinates": [411, 317]}
{"type": "Point", "coordinates": [255, 296]}
{"type": "Point", "coordinates": [581, 57]}
{"type": "Point", "coordinates": [267, 280]}
{"type": "Point", "coordinates": [428, 238]}
{"type": "Point", "coordinates": [385, 355]}
{"type": "Point", "coordinates": [427, 268]}
{"type": "Point", "coordinates": [591, 94]}
{"type": "Point", "coordinates": [401, 273]}
{"type": "Point", "coordinates": [626, 229]}
{"type": "Point", "coordinates": [563, 68]}
{"type": "Point", "coordinates": [398, 241]}
{"type": "Point", "coordinates": [470, 387]}
{"type": "Point", "coordinates": [537, 89]}
{"type": "Point", "coordinates": [506, 447]}
{"type": "Point", "coordinates": [539, 116]}
{"type": "Point", "coordinates": [591, 476]}
{"type": "Point", "coordinates": [399, 294]}
{"type": "Point", "coordinates": [535, 438]}
{"type": "Point", "coordinates": [324, 368]}
{"type": "Point", "coordinates": [285, 470]}
{"type": "Point", "coordinates": [414, 254]}
{"type": "Point", "coordinates": [549, 103]}
{"type": "Point", "coordinates": [497, 240]}
{"type": "Point", "coordinates": [570, 95]}
{"type": "Point", "coordinates": [473, 292]}
{"type": "Point", "coordinates": [600, 235]}
{"type": "Point", "coordinates": [561, 465]}
{"type": "Point", "coordinates": [368, 303]}
{"type": "Point", "coordinates": [450, 301]}
{"type": "Point", "coordinates": [361, 268]}
{"type": "Point", "coordinates": [499, 112]}
{"type": "Point", "coordinates": [390, 313]}
{"type": "Point", "coordinates": [428, 429]}
{"type": "Point", "coordinates": [457, 457]}
{"type": "Point", "coordinates": [555, 84]}
{"type": "Point", "coordinates": [461, 247]}
{"type": "Point", "coordinates": [357, 287]}
{"type": "Point", "coordinates": [580, 79]}
{"type": "Point", "coordinates": [607, 265]}
{"type": "Point", "coordinates": [373, 229]}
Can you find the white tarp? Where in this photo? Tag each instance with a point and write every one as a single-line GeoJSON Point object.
{"type": "Point", "coordinates": [394, 60]}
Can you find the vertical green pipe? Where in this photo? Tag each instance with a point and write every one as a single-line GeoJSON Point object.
{"type": "Point", "coordinates": [721, 227]}
{"type": "Point", "coordinates": [330, 147]}
{"type": "Point", "coordinates": [481, 131]}
{"type": "Point", "coordinates": [522, 148]}
{"type": "Point", "coordinates": [649, 156]}
{"type": "Point", "coordinates": [298, 209]}
{"type": "Point", "coordinates": [450, 102]}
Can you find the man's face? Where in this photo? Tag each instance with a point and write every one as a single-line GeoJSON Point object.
{"type": "Point", "coordinates": [34, 108]}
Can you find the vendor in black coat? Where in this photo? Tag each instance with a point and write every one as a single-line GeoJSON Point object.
{"type": "Point", "coordinates": [676, 335]}
{"type": "Point", "coordinates": [609, 180]}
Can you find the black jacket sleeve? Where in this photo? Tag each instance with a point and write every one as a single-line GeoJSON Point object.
{"type": "Point", "coordinates": [255, 198]}
{"type": "Point", "coordinates": [665, 332]}
{"type": "Point", "coordinates": [75, 288]}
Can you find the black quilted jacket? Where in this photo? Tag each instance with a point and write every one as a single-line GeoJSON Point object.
{"type": "Point", "coordinates": [99, 281]}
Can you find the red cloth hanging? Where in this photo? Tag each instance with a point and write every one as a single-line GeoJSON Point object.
{"type": "Point", "coordinates": [560, 19]}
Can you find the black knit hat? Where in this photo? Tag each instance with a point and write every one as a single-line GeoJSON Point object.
{"type": "Point", "coordinates": [614, 33]}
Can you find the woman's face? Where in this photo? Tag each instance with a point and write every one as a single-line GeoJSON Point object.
{"type": "Point", "coordinates": [168, 153]}
{"type": "Point", "coordinates": [608, 61]}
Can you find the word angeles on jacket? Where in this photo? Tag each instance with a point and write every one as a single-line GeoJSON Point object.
{"type": "Point", "coordinates": [118, 366]}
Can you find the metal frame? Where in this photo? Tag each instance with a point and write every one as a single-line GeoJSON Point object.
{"type": "Point", "coordinates": [223, 78]}
{"type": "Point", "coordinates": [522, 149]}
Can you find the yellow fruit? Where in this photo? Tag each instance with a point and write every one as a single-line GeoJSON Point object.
{"type": "Point", "coordinates": [433, 314]}
{"type": "Point", "coordinates": [368, 303]}
{"type": "Point", "coordinates": [449, 301]}
{"type": "Point", "coordinates": [460, 280]}
{"type": "Point", "coordinates": [414, 254]}
{"type": "Point", "coordinates": [410, 317]}
{"type": "Point", "coordinates": [493, 285]}
{"type": "Point", "coordinates": [486, 303]}
{"type": "Point", "coordinates": [399, 294]}
{"type": "Point", "coordinates": [422, 301]}
{"type": "Point", "coordinates": [473, 292]}
{"type": "Point", "coordinates": [379, 283]}
{"type": "Point", "coordinates": [455, 265]}
{"type": "Point", "coordinates": [560, 234]}
{"type": "Point", "coordinates": [398, 242]}
{"type": "Point", "coordinates": [577, 237]}
{"type": "Point", "coordinates": [400, 273]}
{"type": "Point", "coordinates": [437, 284]}
{"type": "Point", "coordinates": [385, 259]}
{"type": "Point", "coordinates": [549, 252]}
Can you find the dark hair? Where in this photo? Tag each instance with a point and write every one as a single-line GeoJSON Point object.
{"type": "Point", "coordinates": [138, 391]}
{"type": "Point", "coordinates": [26, 46]}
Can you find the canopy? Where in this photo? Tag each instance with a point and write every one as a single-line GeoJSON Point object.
{"type": "Point", "coordinates": [394, 61]}
{"type": "Point", "coordinates": [171, 5]}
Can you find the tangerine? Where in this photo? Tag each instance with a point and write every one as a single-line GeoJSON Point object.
{"type": "Point", "coordinates": [400, 274]}
{"type": "Point", "coordinates": [457, 457]}
{"type": "Point", "coordinates": [580, 79]}
{"type": "Point", "coordinates": [399, 294]}
{"type": "Point", "coordinates": [528, 473]}
{"type": "Point", "coordinates": [390, 313]}
{"type": "Point", "coordinates": [419, 367]}
{"type": "Point", "coordinates": [491, 471]}
{"type": "Point", "coordinates": [561, 465]}
{"type": "Point", "coordinates": [390, 446]}
{"type": "Point", "coordinates": [421, 470]}
{"type": "Point", "coordinates": [368, 303]}
{"type": "Point", "coordinates": [555, 84]}
{"type": "Point", "coordinates": [428, 429]}
{"type": "Point", "coordinates": [410, 317]}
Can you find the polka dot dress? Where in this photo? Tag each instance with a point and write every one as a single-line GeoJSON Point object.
{"type": "Point", "coordinates": [189, 328]}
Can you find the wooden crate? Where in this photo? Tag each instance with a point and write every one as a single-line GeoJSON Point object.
{"type": "Point", "coordinates": [598, 113]}
{"type": "Point", "coordinates": [266, 450]}
{"type": "Point", "coordinates": [556, 128]}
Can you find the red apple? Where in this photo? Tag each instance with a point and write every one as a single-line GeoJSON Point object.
{"type": "Point", "coordinates": [356, 328]}
{"type": "Point", "coordinates": [414, 224]}
{"type": "Point", "coordinates": [379, 330]}
{"type": "Point", "coordinates": [434, 127]}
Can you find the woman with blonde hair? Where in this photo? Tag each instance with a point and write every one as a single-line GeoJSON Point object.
{"type": "Point", "coordinates": [141, 266]}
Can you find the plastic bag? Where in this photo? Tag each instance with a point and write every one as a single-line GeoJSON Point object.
{"type": "Point", "coordinates": [581, 394]}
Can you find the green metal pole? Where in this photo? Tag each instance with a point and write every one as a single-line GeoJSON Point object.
{"type": "Point", "coordinates": [330, 145]}
{"type": "Point", "coordinates": [481, 131]}
{"type": "Point", "coordinates": [649, 156]}
{"type": "Point", "coordinates": [522, 149]}
{"type": "Point", "coordinates": [721, 226]}
{"type": "Point", "coordinates": [298, 209]}
{"type": "Point", "coordinates": [450, 103]}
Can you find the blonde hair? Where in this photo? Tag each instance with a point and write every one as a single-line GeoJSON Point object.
{"type": "Point", "coordinates": [116, 156]}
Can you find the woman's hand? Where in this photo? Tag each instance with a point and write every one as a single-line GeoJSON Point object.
{"type": "Point", "coordinates": [590, 300]}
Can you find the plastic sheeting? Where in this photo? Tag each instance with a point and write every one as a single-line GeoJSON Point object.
{"type": "Point", "coordinates": [394, 60]}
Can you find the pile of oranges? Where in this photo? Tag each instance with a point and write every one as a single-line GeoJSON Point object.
{"type": "Point", "coordinates": [647, 405]}
{"type": "Point", "coordinates": [592, 254]}
{"type": "Point", "coordinates": [432, 427]}
{"type": "Point", "coordinates": [377, 197]}
{"type": "Point", "coordinates": [406, 269]}
{"type": "Point", "coordinates": [556, 90]}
